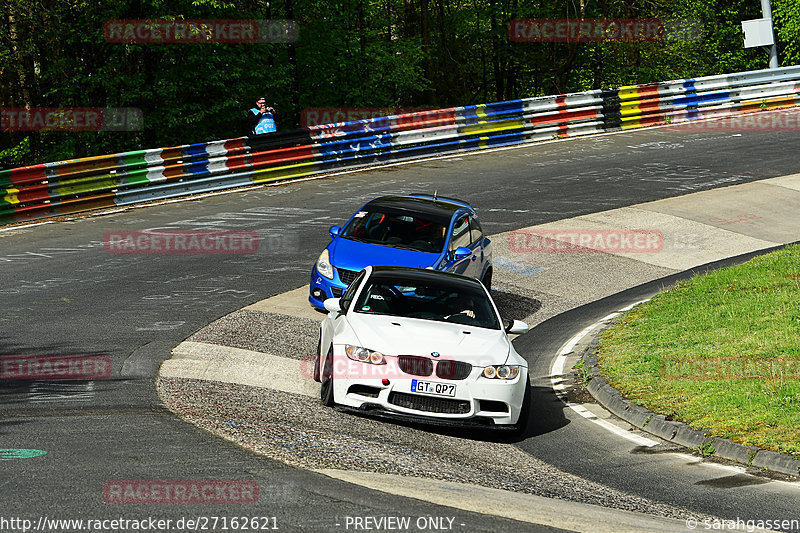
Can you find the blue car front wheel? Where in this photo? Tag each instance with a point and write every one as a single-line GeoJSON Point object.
{"type": "Point", "coordinates": [487, 279]}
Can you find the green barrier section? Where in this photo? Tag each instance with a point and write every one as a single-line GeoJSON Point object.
{"type": "Point", "coordinates": [5, 179]}
{"type": "Point", "coordinates": [134, 178]}
{"type": "Point", "coordinates": [279, 173]}
{"type": "Point", "coordinates": [84, 185]}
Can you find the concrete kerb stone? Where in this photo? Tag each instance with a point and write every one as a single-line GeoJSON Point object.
{"type": "Point", "coordinates": [600, 390]}
{"type": "Point", "coordinates": [638, 415]}
{"type": "Point", "coordinates": [779, 462]}
{"type": "Point", "coordinates": [733, 451]}
{"type": "Point", "coordinates": [590, 361]}
{"type": "Point", "coordinates": [614, 402]}
{"type": "Point", "coordinates": [690, 438]}
{"type": "Point", "coordinates": [661, 427]}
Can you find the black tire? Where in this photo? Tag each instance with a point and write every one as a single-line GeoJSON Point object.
{"type": "Point", "coordinates": [316, 359]}
{"type": "Point", "coordinates": [521, 426]}
{"type": "Point", "coordinates": [487, 280]}
{"type": "Point", "coordinates": [326, 380]}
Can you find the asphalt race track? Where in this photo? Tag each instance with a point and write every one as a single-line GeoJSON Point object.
{"type": "Point", "coordinates": [63, 294]}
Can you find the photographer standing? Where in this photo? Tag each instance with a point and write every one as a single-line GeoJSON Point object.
{"type": "Point", "coordinates": [261, 118]}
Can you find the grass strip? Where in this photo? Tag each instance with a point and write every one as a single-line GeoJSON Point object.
{"type": "Point", "coordinates": [720, 351]}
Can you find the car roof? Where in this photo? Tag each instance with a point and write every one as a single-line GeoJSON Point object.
{"type": "Point", "coordinates": [422, 274]}
{"type": "Point", "coordinates": [439, 209]}
{"type": "Point", "coordinates": [435, 196]}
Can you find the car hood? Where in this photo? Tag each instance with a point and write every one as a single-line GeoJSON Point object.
{"type": "Point", "coordinates": [354, 255]}
{"type": "Point", "coordinates": [393, 335]}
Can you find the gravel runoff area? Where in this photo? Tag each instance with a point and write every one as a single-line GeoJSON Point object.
{"type": "Point", "coordinates": [298, 431]}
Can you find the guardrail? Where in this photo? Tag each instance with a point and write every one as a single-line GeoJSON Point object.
{"type": "Point", "coordinates": [77, 185]}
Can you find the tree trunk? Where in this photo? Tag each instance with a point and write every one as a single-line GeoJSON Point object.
{"type": "Point", "coordinates": [23, 97]}
{"type": "Point", "coordinates": [425, 27]}
{"type": "Point", "coordinates": [292, 53]}
{"type": "Point", "coordinates": [499, 82]}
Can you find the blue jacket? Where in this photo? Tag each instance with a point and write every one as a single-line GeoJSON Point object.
{"type": "Point", "coordinates": [261, 122]}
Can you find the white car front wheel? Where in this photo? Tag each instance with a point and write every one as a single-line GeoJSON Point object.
{"type": "Point", "coordinates": [524, 413]}
{"type": "Point", "coordinates": [326, 379]}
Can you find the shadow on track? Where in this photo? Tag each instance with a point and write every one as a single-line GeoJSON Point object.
{"type": "Point", "coordinates": [537, 424]}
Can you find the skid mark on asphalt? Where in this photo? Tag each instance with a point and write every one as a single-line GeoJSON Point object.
{"type": "Point", "coordinates": [42, 391]}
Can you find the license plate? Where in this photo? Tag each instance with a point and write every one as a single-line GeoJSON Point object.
{"type": "Point", "coordinates": [429, 387]}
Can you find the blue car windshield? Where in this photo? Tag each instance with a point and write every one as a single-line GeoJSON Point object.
{"type": "Point", "coordinates": [399, 230]}
{"type": "Point", "coordinates": [428, 300]}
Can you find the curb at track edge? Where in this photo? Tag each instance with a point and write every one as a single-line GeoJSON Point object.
{"type": "Point", "coordinates": [677, 432]}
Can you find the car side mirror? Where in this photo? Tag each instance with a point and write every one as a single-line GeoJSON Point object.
{"type": "Point", "coordinates": [517, 327]}
{"type": "Point", "coordinates": [334, 231]}
{"type": "Point", "coordinates": [461, 252]}
{"type": "Point", "coordinates": [333, 305]}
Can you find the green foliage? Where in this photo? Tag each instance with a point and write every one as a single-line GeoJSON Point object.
{"type": "Point", "coordinates": [706, 449]}
{"type": "Point", "coordinates": [18, 154]}
{"type": "Point", "coordinates": [786, 18]}
{"type": "Point", "coordinates": [349, 53]}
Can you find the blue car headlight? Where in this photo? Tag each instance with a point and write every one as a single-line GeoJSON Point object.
{"type": "Point", "coordinates": [324, 266]}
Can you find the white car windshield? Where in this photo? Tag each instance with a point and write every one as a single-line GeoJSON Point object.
{"type": "Point", "coordinates": [429, 300]}
{"type": "Point", "coordinates": [412, 232]}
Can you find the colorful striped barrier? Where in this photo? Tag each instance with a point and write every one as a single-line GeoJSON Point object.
{"type": "Point", "coordinates": [77, 185]}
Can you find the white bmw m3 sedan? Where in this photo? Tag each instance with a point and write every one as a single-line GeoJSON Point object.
{"type": "Point", "coordinates": [425, 345]}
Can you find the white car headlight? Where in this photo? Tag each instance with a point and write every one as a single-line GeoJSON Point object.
{"type": "Point", "coordinates": [324, 266]}
{"type": "Point", "coordinates": [501, 372]}
{"type": "Point", "coordinates": [357, 353]}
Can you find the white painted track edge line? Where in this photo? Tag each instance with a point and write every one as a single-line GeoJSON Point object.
{"type": "Point", "coordinates": [12, 228]}
{"type": "Point", "coordinates": [556, 381]}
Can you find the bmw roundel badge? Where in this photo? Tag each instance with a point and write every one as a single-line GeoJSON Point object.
{"type": "Point", "coordinates": [435, 354]}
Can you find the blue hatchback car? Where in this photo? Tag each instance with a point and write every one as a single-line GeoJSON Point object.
{"type": "Point", "coordinates": [415, 231]}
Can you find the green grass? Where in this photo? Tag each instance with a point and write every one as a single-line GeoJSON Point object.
{"type": "Point", "coordinates": [720, 352]}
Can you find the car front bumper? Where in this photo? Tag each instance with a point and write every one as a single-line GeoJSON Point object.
{"type": "Point", "coordinates": [477, 399]}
